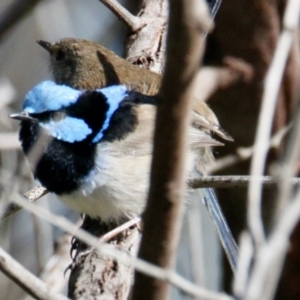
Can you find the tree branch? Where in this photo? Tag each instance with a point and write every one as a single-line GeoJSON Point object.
{"type": "Point", "coordinates": [31, 284]}
{"type": "Point", "coordinates": [133, 22]}
{"type": "Point", "coordinates": [107, 236]}
{"type": "Point", "coordinates": [146, 47]}
{"type": "Point", "coordinates": [237, 181]}
{"type": "Point", "coordinates": [244, 153]}
{"type": "Point", "coordinates": [165, 200]}
{"type": "Point", "coordinates": [32, 195]}
{"type": "Point", "coordinates": [211, 79]}
{"type": "Point", "coordinates": [272, 254]}
{"type": "Point", "coordinates": [123, 257]}
{"type": "Point", "coordinates": [270, 95]}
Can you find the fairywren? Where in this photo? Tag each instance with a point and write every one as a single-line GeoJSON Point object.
{"type": "Point", "coordinates": [86, 65]}
{"type": "Point", "coordinates": [83, 64]}
{"type": "Point", "coordinates": [97, 160]}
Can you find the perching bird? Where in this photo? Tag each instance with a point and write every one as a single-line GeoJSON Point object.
{"type": "Point", "coordinates": [83, 64]}
{"type": "Point", "coordinates": [86, 65]}
{"type": "Point", "coordinates": [98, 157]}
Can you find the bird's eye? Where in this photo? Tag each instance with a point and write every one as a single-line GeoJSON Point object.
{"type": "Point", "coordinates": [58, 116]}
{"type": "Point", "coordinates": [60, 55]}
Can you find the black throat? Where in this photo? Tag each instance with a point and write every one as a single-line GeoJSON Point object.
{"type": "Point", "coordinates": [62, 165]}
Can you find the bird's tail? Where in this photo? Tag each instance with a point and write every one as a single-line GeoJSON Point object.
{"type": "Point", "coordinates": [231, 249]}
{"type": "Point", "coordinates": [214, 6]}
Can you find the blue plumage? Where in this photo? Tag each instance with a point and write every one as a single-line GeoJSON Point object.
{"type": "Point", "coordinates": [82, 124]}
{"type": "Point", "coordinates": [48, 96]}
{"type": "Point", "coordinates": [114, 94]}
{"type": "Point", "coordinates": [68, 129]}
{"type": "Point", "coordinates": [84, 165]}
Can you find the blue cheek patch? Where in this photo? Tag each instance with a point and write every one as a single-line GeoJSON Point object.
{"type": "Point", "coordinates": [47, 96]}
{"type": "Point", "coordinates": [114, 95]}
{"type": "Point", "coordinates": [68, 129]}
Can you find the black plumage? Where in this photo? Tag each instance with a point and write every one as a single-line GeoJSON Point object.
{"type": "Point", "coordinates": [64, 165]}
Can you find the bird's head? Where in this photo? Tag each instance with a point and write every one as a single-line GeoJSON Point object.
{"type": "Point", "coordinates": [81, 64]}
{"type": "Point", "coordinates": [68, 114]}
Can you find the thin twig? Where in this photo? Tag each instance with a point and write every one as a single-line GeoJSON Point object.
{"type": "Point", "coordinates": [133, 22]}
{"type": "Point", "coordinates": [32, 195]}
{"type": "Point", "coordinates": [106, 237]}
{"type": "Point", "coordinates": [273, 252]}
{"type": "Point", "coordinates": [244, 153]}
{"type": "Point", "coordinates": [288, 167]}
{"type": "Point", "coordinates": [271, 89]}
{"type": "Point", "coordinates": [33, 158]}
{"type": "Point", "coordinates": [237, 181]}
{"type": "Point", "coordinates": [167, 180]}
{"type": "Point", "coordinates": [30, 283]}
{"type": "Point", "coordinates": [203, 182]}
{"type": "Point", "coordinates": [211, 79]}
{"type": "Point", "coordinates": [110, 251]}
{"type": "Point", "coordinates": [244, 264]}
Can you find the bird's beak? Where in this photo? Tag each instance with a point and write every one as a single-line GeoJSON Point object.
{"type": "Point", "coordinates": [46, 45]}
{"type": "Point", "coordinates": [22, 116]}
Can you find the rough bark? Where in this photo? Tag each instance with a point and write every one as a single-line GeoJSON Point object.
{"type": "Point", "coordinates": [146, 47]}
{"type": "Point", "coordinates": [94, 276]}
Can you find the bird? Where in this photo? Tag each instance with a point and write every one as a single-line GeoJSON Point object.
{"type": "Point", "coordinates": [83, 64]}
{"type": "Point", "coordinates": [86, 65]}
{"type": "Point", "coordinates": [97, 152]}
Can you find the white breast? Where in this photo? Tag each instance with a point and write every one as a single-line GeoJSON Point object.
{"type": "Point", "coordinates": [117, 187]}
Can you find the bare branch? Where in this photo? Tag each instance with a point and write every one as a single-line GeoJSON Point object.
{"type": "Point", "coordinates": [108, 250]}
{"type": "Point", "coordinates": [133, 22]}
{"type": "Point", "coordinates": [106, 237]}
{"type": "Point", "coordinates": [245, 259]}
{"type": "Point", "coordinates": [165, 200]}
{"type": "Point", "coordinates": [243, 154]}
{"type": "Point", "coordinates": [32, 195]}
{"type": "Point", "coordinates": [211, 79]}
{"type": "Point", "coordinates": [272, 253]}
{"type": "Point", "coordinates": [237, 181]}
{"type": "Point", "coordinates": [31, 284]}
{"type": "Point", "coordinates": [271, 89]}
{"type": "Point", "coordinates": [146, 48]}
{"type": "Point", "coordinates": [203, 182]}
{"type": "Point", "coordinates": [287, 168]}
{"type": "Point", "coordinates": [33, 158]}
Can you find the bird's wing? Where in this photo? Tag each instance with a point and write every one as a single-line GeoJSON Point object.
{"type": "Point", "coordinates": [203, 117]}
{"type": "Point", "coordinates": [139, 142]}
{"type": "Point", "coordinates": [200, 137]}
